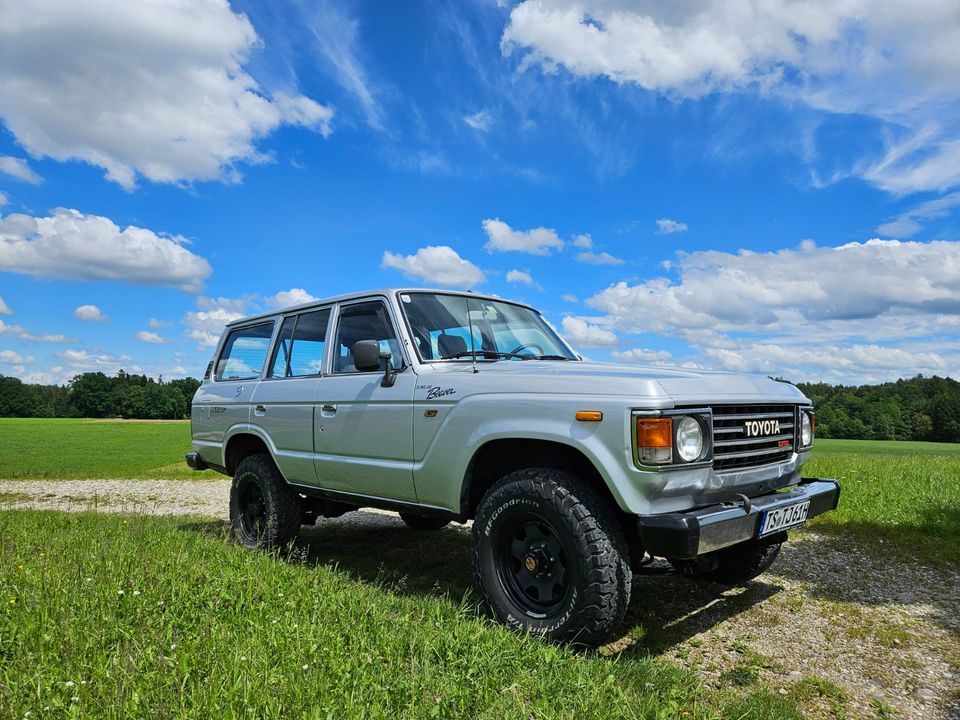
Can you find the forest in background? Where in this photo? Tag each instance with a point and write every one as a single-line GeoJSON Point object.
{"type": "Point", "coordinates": [920, 408]}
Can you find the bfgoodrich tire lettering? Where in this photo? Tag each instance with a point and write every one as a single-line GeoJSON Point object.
{"type": "Point", "coordinates": [264, 511]}
{"type": "Point", "coordinates": [550, 557]}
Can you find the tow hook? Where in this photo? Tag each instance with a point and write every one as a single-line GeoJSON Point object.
{"type": "Point", "coordinates": [747, 505]}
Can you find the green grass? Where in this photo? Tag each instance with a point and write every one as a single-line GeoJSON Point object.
{"type": "Point", "coordinates": [903, 494]}
{"type": "Point", "coordinates": [93, 449]}
{"type": "Point", "coordinates": [108, 617]}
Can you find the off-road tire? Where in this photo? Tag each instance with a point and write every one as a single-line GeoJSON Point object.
{"type": "Point", "coordinates": [737, 564]}
{"type": "Point", "coordinates": [424, 523]}
{"type": "Point", "coordinates": [546, 506]}
{"type": "Point", "coordinates": [265, 512]}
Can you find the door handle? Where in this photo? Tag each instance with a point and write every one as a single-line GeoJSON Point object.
{"type": "Point", "coordinates": [328, 409]}
{"type": "Point", "coordinates": [260, 410]}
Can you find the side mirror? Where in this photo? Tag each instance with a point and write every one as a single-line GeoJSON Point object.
{"type": "Point", "coordinates": [367, 357]}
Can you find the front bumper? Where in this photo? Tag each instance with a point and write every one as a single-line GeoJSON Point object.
{"type": "Point", "coordinates": [684, 536]}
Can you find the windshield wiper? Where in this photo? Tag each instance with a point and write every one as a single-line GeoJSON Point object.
{"type": "Point", "coordinates": [496, 354]}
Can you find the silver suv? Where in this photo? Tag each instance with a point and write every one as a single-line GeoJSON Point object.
{"type": "Point", "coordinates": [449, 406]}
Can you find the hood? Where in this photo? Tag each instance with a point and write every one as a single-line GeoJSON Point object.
{"type": "Point", "coordinates": [683, 386]}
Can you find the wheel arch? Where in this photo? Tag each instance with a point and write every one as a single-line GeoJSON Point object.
{"type": "Point", "coordinates": [497, 457]}
{"type": "Point", "coordinates": [243, 442]}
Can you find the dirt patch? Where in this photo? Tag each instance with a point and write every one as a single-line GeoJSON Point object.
{"type": "Point", "coordinates": [840, 626]}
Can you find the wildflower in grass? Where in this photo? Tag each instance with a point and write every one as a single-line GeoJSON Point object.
{"type": "Point", "coordinates": [120, 592]}
{"type": "Point", "coordinates": [69, 683]}
{"type": "Point", "coordinates": [124, 522]}
{"type": "Point", "coordinates": [243, 657]}
{"type": "Point", "coordinates": [19, 567]}
{"type": "Point", "coordinates": [43, 554]}
{"type": "Point", "coordinates": [136, 592]}
{"type": "Point", "coordinates": [305, 667]}
{"type": "Point", "coordinates": [173, 646]}
{"type": "Point", "coordinates": [75, 698]}
{"type": "Point", "coordinates": [13, 601]}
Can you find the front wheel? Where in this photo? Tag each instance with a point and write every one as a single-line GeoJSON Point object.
{"type": "Point", "coordinates": [550, 557]}
{"type": "Point", "coordinates": [265, 512]}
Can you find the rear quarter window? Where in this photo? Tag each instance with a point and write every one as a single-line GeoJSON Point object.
{"type": "Point", "coordinates": [244, 352]}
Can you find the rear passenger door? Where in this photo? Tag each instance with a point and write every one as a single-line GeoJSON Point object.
{"type": "Point", "coordinates": [364, 432]}
{"type": "Point", "coordinates": [283, 402]}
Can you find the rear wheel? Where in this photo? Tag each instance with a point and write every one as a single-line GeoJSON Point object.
{"type": "Point", "coordinates": [424, 523]}
{"type": "Point", "coordinates": [265, 512]}
{"type": "Point", "coordinates": [550, 557]}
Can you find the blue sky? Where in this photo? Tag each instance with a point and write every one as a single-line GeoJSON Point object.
{"type": "Point", "coordinates": [764, 187]}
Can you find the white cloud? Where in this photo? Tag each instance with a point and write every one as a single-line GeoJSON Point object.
{"type": "Point", "coordinates": [18, 168]}
{"type": "Point", "coordinates": [643, 356]}
{"type": "Point", "coordinates": [152, 338]}
{"type": "Point", "coordinates": [293, 296]}
{"type": "Point", "coordinates": [791, 311]}
{"type": "Point", "coordinates": [206, 324]}
{"type": "Point", "coordinates": [157, 324]}
{"type": "Point", "coordinates": [179, 104]}
{"type": "Point", "coordinates": [71, 245]}
{"type": "Point", "coordinates": [19, 332]}
{"type": "Point", "coordinates": [3, 200]}
{"type": "Point", "coordinates": [479, 121]}
{"type": "Point", "coordinates": [4, 308]}
{"type": "Point", "coordinates": [583, 241]}
{"type": "Point", "coordinates": [909, 223]}
{"type": "Point", "coordinates": [582, 333]}
{"type": "Point", "coordinates": [570, 298]}
{"type": "Point", "coordinates": [440, 265]}
{"type": "Point", "coordinates": [666, 226]}
{"type": "Point", "coordinates": [883, 59]}
{"type": "Point", "coordinates": [603, 258]}
{"type": "Point", "coordinates": [91, 313]}
{"type": "Point", "coordinates": [503, 238]}
{"type": "Point", "coordinates": [520, 277]}
{"type": "Point", "coordinates": [12, 358]}
{"type": "Point", "coordinates": [81, 361]}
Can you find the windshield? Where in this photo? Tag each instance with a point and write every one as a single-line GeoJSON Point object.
{"type": "Point", "coordinates": [495, 330]}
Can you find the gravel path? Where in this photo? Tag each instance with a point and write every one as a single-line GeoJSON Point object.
{"type": "Point", "coordinates": [841, 626]}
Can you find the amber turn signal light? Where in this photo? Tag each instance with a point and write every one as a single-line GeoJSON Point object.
{"type": "Point", "coordinates": [589, 415]}
{"type": "Point", "coordinates": [654, 432]}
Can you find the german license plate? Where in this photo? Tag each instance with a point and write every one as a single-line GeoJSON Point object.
{"type": "Point", "coordinates": [784, 517]}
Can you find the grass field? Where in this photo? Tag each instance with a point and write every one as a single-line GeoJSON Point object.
{"type": "Point", "coordinates": [93, 449]}
{"type": "Point", "coordinates": [109, 617]}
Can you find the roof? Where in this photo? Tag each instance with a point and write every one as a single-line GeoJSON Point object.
{"type": "Point", "coordinates": [388, 292]}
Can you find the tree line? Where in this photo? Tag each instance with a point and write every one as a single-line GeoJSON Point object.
{"type": "Point", "coordinates": [916, 409]}
{"type": "Point", "coordinates": [95, 395]}
{"type": "Point", "coordinates": [920, 408]}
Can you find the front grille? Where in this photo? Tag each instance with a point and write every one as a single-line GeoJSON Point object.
{"type": "Point", "coordinates": [734, 450]}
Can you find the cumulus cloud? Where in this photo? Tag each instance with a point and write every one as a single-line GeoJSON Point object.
{"type": "Point", "coordinates": [90, 313]}
{"type": "Point", "coordinates": [602, 258]}
{"type": "Point", "coordinates": [859, 303]}
{"type": "Point", "coordinates": [13, 358]}
{"type": "Point", "coordinates": [582, 333]}
{"type": "Point", "coordinates": [522, 278]}
{"type": "Point", "coordinates": [911, 222]}
{"type": "Point", "coordinates": [878, 58]}
{"type": "Point", "coordinates": [18, 168]}
{"type": "Point", "coordinates": [3, 200]}
{"type": "Point", "coordinates": [479, 121]}
{"type": "Point", "coordinates": [71, 245]}
{"type": "Point", "coordinates": [440, 265]}
{"type": "Point", "coordinates": [157, 324]}
{"type": "Point", "coordinates": [503, 238]}
{"type": "Point", "coordinates": [80, 361]}
{"type": "Point", "coordinates": [179, 104]}
{"type": "Point", "coordinates": [206, 324]}
{"type": "Point", "coordinates": [293, 296]}
{"type": "Point", "coordinates": [152, 338]}
{"type": "Point", "coordinates": [18, 332]}
{"type": "Point", "coordinates": [666, 226]}
{"type": "Point", "coordinates": [570, 298]}
{"type": "Point", "coordinates": [4, 308]}
{"type": "Point", "coordinates": [642, 356]}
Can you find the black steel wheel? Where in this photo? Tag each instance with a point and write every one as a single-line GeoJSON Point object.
{"type": "Point", "coordinates": [550, 557]}
{"type": "Point", "coordinates": [265, 512]}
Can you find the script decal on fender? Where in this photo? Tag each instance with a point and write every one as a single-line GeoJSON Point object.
{"type": "Point", "coordinates": [434, 391]}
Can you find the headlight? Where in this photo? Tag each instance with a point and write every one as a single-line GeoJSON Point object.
{"type": "Point", "coordinates": [689, 439]}
{"type": "Point", "coordinates": [806, 430]}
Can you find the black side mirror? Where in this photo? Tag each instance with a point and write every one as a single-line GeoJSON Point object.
{"type": "Point", "coordinates": [367, 357]}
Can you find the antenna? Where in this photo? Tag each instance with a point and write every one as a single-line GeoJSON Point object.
{"type": "Point", "coordinates": [473, 347]}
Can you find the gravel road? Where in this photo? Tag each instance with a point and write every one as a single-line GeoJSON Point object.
{"type": "Point", "coordinates": [842, 624]}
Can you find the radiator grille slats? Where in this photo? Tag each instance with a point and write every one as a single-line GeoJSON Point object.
{"type": "Point", "coordinates": [734, 450]}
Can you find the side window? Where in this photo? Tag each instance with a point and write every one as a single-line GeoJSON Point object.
{"type": "Point", "coordinates": [244, 352]}
{"type": "Point", "coordinates": [365, 321]}
{"type": "Point", "coordinates": [299, 350]}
